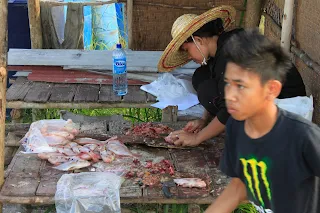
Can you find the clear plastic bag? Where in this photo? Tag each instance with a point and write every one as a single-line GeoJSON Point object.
{"type": "Point", "coordinates": [301, 105]}
{"type": "Point", "coordinates": [88, 192]}
{"type": "Point", "coordinates": [46, 133]}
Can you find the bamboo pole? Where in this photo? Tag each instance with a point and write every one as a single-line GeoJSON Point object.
{"type": "Point", "coordinates": [35, 24]}
{"type": "Point", "coordinates": [287, 25]}
{"type": "Point", "coordinates": [130, 20]}
{"type": "Point", "coordinates": [3, 81]}
{"type": "Point", "coordinates": [253, 13]}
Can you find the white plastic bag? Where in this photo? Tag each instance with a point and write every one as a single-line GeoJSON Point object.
{"type": "Point", "coordinates": [301, 105]}
{"type": "Point", "coordinates": [88, 192]}
{"type": "Point", "coordinates": [44, 134]}
{"type": "Point", "coordinates": [170, 90]}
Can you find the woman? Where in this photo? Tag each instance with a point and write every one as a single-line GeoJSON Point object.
{"type": "Point", "coordinates": [201, 38]}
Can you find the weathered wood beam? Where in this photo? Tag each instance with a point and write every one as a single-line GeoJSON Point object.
{"type": "Point", "coordinates": [287, 25]}
{"type": "Point", "coordinates": [3, 81]}
{"type": "Point", "coordinates": [130, 21]}
{"type": "Point", "coordinates": [173, 6]}
{"type": "Point", "coordinates": [93, 105]}
{"type": "Point", "coordinates": [35, 24]}
{"type": "Point", "coordinates": [253, 13]}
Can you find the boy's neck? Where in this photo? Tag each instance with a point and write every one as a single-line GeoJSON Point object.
{"type": "Point", "coordinates": [262, 123]}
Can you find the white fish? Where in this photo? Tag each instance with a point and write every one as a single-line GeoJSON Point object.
{"type": "Point", "coordinates": [190, 182]}
{"type": "Point", "coordinates": [118, 148]}
{"type": "Point", "coordinates": [73, 165]}
{"type": "Point", "coordinates": [84, 141]}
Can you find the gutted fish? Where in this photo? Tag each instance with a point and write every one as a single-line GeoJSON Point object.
{"type": "Point", "coordinates": [190, 182]}
{"type": "Point", "coordinates": [118, 148]}
{"type": "Point", "coordinates": [73, 165]}
{"type": "Point", "coordinates": [84, 141]}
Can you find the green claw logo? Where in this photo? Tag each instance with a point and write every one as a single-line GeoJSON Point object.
{"type": "Point", "coordinates": [253, 181]}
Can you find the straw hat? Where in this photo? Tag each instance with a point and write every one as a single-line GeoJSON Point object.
{"type": "Point", "coordinates": [183, 28]}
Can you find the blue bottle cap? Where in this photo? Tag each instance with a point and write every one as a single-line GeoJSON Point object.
{"type": "Point", "coordinates": [119, 46]}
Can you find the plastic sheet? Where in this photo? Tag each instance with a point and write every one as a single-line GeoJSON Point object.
{"type": "Point", "coordinates": [88, 192]}
{"type": "Point", "coordinates": [44, 134]}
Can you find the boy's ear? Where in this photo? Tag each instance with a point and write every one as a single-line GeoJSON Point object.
{"type": "Point", "coordinates": [274, 89]}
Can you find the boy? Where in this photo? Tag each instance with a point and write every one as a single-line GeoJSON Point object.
{"type": "Point", "coordinates": [273, 156]}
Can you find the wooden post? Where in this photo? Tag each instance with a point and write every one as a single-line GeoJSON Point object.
{"type": "Point", "coordinates": [3, 81]}
{"type": "Point", "coordinates": [130, 20]}
{"type": "Point", "coordinates": [253, 13]}
{"type": "Point", "coordinates": [35, 24]}
{"type": "Point", "coordinates": [287, 25]}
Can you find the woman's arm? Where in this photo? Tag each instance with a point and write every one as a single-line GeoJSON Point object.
{"type": "Point", "coordinates": [230, 198]}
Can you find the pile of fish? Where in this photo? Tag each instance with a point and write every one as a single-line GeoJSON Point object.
{"type": "Point", "coordinates": [83, 152]}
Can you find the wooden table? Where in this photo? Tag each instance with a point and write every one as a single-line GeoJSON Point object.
{"type": "Point", "coordinates": [41, 95]}
{"type": "Point", "coordinates": [30, 180]}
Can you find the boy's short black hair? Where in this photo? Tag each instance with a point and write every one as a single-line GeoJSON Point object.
{"type": "Point", "coordinates": [256, 53]}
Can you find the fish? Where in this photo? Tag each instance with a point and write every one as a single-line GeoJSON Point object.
{"type": "Point", "coordinates": [62, 134]}
{"type": "Point", "coordinates": [94, 156]}
{"type": "Point", "coordinates": [74, 147]}
{"type": "Point", "coordinates": [73, 165]}
{"type": "Point", "coordinates": [46, 155]}
{"type": "Point", "coordinates": [66, 151]}
{"type": "Point", "coordinates": [119, 148]}
{"type": "Point", "coordinates": [92, 147]}
{"type": "Point", "coordinates": [190, 182]}
{"type": "Point", "coordinates": [57, 160]}
{"type": "Point", "coordinates": [107, 156]}
{"type": "Point", "coordinates": [84, 141]}
{"type": "Point", "coordinates": [54, 140]}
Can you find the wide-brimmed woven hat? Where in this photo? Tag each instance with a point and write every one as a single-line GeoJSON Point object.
{"type": "Point", "coordinates": [183, 28]}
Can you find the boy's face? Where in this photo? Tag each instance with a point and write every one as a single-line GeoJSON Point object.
{"type": "Point", "coordinates": [245, 95]}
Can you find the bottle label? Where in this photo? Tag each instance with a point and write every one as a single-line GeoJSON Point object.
{"type": "Point", "coordinates": [119, 66]}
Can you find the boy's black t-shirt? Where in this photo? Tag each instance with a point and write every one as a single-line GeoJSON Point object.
{"type": "Point", "coordinates": [280, 169]}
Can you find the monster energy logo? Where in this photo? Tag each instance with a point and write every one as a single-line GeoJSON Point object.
{"type": "Point", "coordinates": [253, 179]}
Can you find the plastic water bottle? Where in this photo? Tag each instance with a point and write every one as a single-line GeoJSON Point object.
{"type": "Point", "coordinates": [120, 82]}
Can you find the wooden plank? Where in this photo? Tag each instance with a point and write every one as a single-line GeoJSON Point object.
{"type": "Point", "coordinates": [189, 161]}
{"type": "Point", "coordinates": [11, 165]}
{"type": "Point", "coordinates": [129, 189]}
{"type": "Point", "coordinates": [19, 89]}
{"type": "Point", "coordinates": [50, 200]}
{"type": "Point", "coordinates": [20, 186]}
{"type": "Point", "coordinates": [49, 178]}
{"type": "Point", "coordinates": [135, 95]}
{"type": "Point", "coordinates": [107, 94]}
{"type": "Point", "coordinates": [151, 98]}
{"type": "Point", "coordinates": [87, 93]}
{"type": "Point", "coordinates": [73, 105]}
{"type": "Point", "coordinates": [74, 76]}
{"type": "Point", "coordinates": [39, 92]}
{"type": "Point", "coordinates": [62, 93]}
{"type": "Point", "coordinates": [139, 60]}
{"type": "Point", "coordinates": [26, 165]}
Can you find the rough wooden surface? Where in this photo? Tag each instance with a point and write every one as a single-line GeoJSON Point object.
{"type": "Point", "coordinates": [3, 82]}
{"type": "Point", "coordinates": [32, 181]}
{"type": "Point", "coordinates": [35, 24]}
{"type": "Point", "coordinates": [253, 13]}
{"type": "Point", "coordinates": [26, 94]}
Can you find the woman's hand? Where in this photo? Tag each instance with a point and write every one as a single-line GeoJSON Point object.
{"type": "Point", "coordinates": [183, 138]}
{"type": "Point", "coordinates": [195, 126]}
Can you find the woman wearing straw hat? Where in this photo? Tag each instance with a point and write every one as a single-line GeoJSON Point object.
{"type": "Point", "coordinates": [200, 38]}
